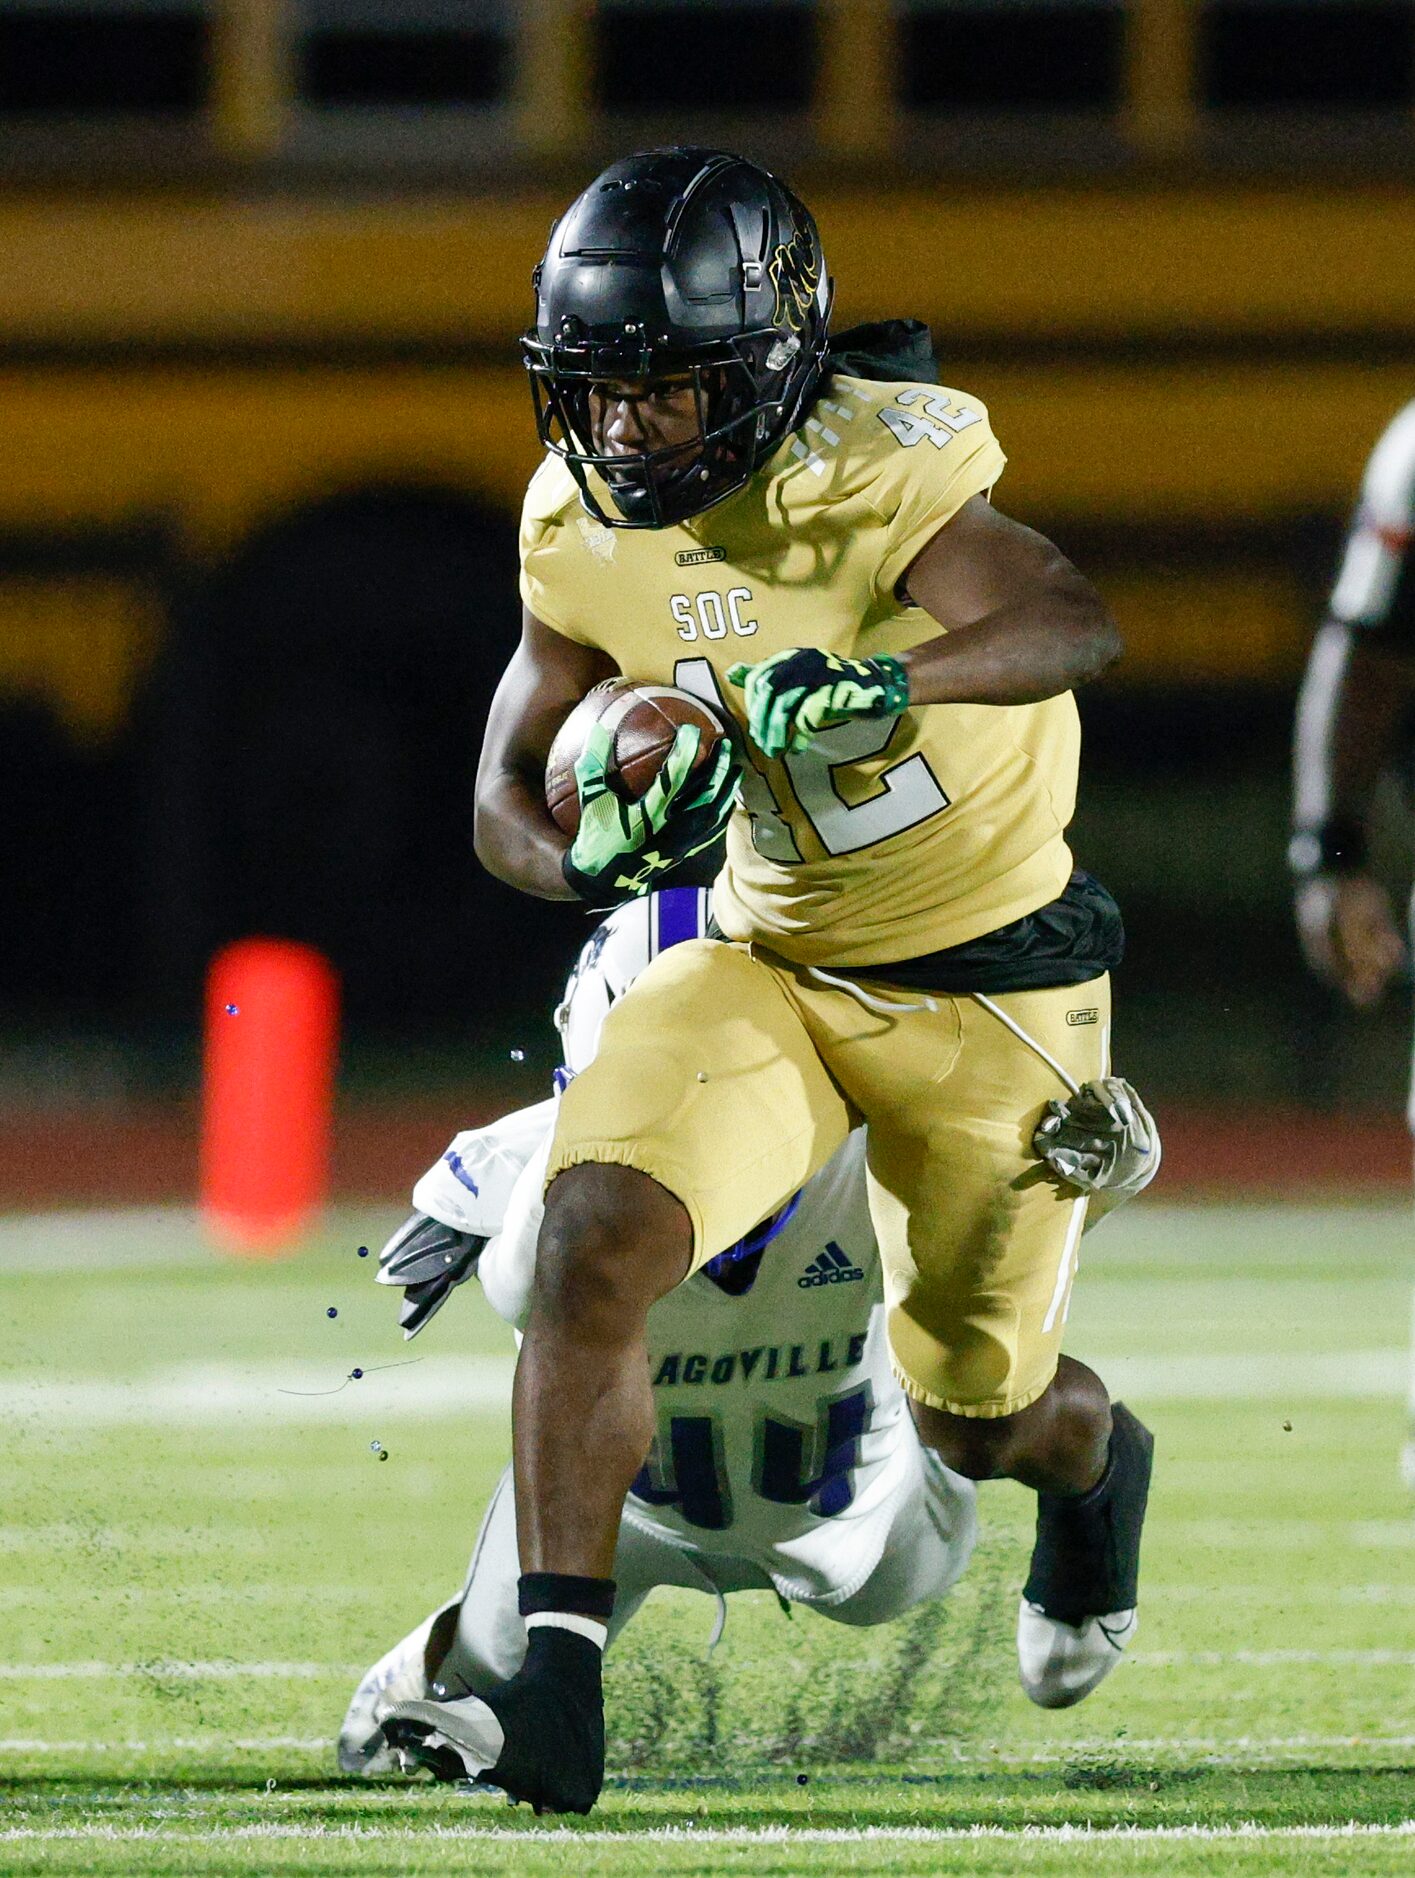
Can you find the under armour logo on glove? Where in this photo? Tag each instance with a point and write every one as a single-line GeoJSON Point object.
{"type": "Point", "coordinates": [641, 882]}
{"type": "Point", "coordinates": [795, 695]}
{"type": "Point", "coordinates": [615, 833]}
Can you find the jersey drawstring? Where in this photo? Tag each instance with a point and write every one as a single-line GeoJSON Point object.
{"type": "Point", "coordinates": [893, 1007]}
{"type": "Point", "coordinates": [1022, 1037]}
{"type": "Point", "coordinates": [882, 1007]}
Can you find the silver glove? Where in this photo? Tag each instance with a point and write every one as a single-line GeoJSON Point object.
{"type": "Point", "coordinates": [1102, 1139]}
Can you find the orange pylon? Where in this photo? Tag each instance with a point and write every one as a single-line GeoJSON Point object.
{"type": "Point", "coordinates": [271, 1033]}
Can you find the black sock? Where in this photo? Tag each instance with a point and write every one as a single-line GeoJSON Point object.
{"type": "Point", "coordinates": [564, 1592]}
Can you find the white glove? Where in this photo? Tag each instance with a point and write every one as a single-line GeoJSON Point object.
{"type": "Point", "coordinates": [1101, 1140]}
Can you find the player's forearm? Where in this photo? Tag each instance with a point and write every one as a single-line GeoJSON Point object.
{"type": "Point", "coordinates": [517, 841]}
{"type": "Point", "coordinates": [1353, 699]}
{"type": "Point", "coordinates": [1032, 648]}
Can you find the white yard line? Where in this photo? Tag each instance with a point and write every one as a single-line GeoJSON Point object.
{"type": "Point", "coordinates": [1278, 1535]}
{"type": "Point", "coordinates": [172, 1744]}
{"type": "Point", "coordinates": [1240, 1749]}
{"type": "Point", "coordinates": [1273, 1536]}
{"type": "Point", "coordinates": [1267, 1659]}
{"type": "Point", "coordinates": [725, 1835]}
{"type": "Point", "coordinates": [286, 1392]}
{"type": "Point", "coordinates": [444, 1385]}
{"type": "Point", "coordinates": [160, 1670]}
{"type": "Point", "coordinates": [219, 1669]}
{"type": "Point", "coordinates": [152, 1238]}
{"type": "Point", "coordinates": [19, 1596]}
{"type": "Point", "coordinates": [101, 1239]}
{"type": "Point", "coordinates": [92, 1239]}
{"type": "Point", "coordinates": [1158, 1594]}
{"type": "Point", "coordinates": [1260, 1376]}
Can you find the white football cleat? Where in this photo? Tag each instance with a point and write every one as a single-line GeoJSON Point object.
{"type": "Point", "coordinates": [400, 1676]}
{"type": "Point", "coordinates": [457, 1740]}
{"type": "Point", "coordinates": [1061, 1663]}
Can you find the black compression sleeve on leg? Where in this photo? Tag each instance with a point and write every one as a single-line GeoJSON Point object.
{"type": "Point", "coordinates": [1086, 1561]}
{"type": "Point", "coordinates": [563, 1591]}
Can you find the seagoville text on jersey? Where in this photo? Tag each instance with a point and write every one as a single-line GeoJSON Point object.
{"type": "Point", "coordinates": [766, 1363]}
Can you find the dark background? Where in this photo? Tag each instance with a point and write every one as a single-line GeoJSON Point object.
{"type": "Point", "coordinates": [288, 738]}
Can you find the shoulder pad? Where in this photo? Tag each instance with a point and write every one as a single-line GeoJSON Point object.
{"type": "Point", "coordinates": [550, 493]}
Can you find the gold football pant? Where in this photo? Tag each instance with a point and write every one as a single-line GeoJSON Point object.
{"type": "Point", "coordinates": [730, 1076]}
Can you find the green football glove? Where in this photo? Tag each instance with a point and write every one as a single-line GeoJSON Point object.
{"type": "Point", "coordinates": [623, 848]}
{"type": "Point", "coordinates": [794, 695]}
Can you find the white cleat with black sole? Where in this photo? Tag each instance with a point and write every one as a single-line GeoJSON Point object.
{"type": "Point", "coordinates": [456, 1740]}
{"type": "Point", "coordinates": [400, 1676]}
{"type": "Point", "coordinates": [1061, 1663]}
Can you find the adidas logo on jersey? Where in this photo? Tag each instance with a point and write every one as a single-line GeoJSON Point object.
{"type": "Point", "coordinates": [831, 1268]}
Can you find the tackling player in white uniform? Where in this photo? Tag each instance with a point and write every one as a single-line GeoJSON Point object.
{"type": "Point", "coordinates": [785, 1457]}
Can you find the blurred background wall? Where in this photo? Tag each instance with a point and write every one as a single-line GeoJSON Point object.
{"type": "Point", "coordinates": [264, 433]}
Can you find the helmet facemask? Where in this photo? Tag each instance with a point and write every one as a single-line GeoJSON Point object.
{"type": "Point", "coordinates": [656, 487]}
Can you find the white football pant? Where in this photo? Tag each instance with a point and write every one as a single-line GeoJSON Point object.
{"type": "Point", "coordinates": [931, 1535]}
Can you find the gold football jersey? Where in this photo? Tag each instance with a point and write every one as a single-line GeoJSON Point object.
{"type": "Point", "coordinates": [887, 838]}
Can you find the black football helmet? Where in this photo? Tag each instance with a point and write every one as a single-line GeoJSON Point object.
{"type": "Point", "coordinates": [694, 267]}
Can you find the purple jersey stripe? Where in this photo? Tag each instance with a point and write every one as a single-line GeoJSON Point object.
{"type": "Point", "coordinates": [679, 915]}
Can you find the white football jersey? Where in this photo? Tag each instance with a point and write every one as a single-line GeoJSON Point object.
{"type": "Point", "coordinates": [782, 1433]}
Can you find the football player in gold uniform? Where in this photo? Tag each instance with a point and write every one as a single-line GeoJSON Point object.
{"type": "Point", "coordinates": [802, 532]}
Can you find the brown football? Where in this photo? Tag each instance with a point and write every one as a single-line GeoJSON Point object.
{"type": "Point", "coordinates": [643, 720]}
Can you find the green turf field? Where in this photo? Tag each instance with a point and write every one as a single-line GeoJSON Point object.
{"type": "Point", "coordinates": [201, 1550]}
